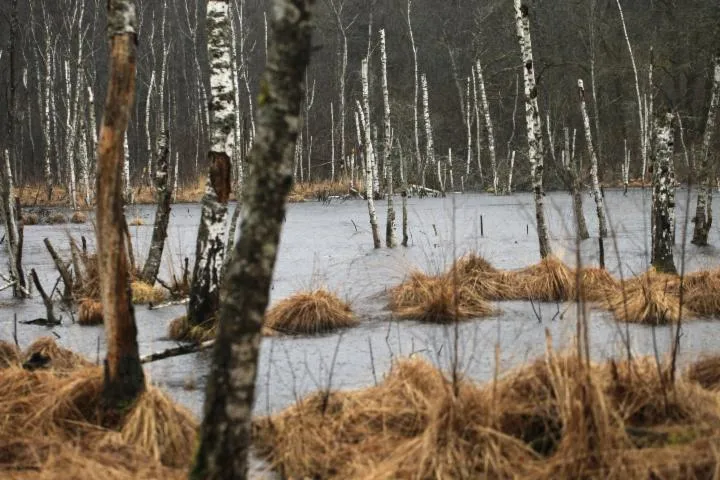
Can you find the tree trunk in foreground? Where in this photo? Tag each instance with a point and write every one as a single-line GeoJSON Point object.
{"type": "Point", "coordinates": [597, 195]}
{"type": "Point", "coordinates": [124, 379]}
{"type": "Point", "coordinates": [162, 213]}
{"type": "Point", "coordinates": [210, 249]}
{"type": "Point", "coordinates": [663, 209]}
{"type": "Point", "coordinates": [703, 210]}
{"type": "Point", "coordinates": [534, 128]}
{"type": "Point", "coordinates": [225, 433]}
{"type": "Point", "coordinates": [13, 228]}
{"type": "Point", "coordinates": [390, 239]}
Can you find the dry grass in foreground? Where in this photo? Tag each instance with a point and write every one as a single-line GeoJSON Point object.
{"type": "Point", "coordinates": [555, 418]}
{"type": "Point", "coordinates": [310, 313]}
{"type": "Point", "coordinates": [52, 425]}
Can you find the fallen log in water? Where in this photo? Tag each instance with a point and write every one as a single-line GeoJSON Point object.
{"type": "Point", "coordinates": [177, 351]}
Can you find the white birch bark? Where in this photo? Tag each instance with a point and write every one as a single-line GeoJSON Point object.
{"type": "Point", "coordinates": [597, 194]}
{"type": "Point", "coordinates": [663, 196]}
{"type": "Point", "coordinates": [478, 130]}
{"type": "Point", "coordinates": [237, 130]}
{"type": "Point", "coordinates": [510, 172]}
{"type": "Point", "coordinates": [703, 209]}
{"type": "Point", "coordinates": [643, 136]}
{"type": "Point", "coordinates": [332, 142]}
{"type": "Point", "coordinates": [49, 114]}
{"type": "Point", "coordinates": [162, 111]}
{"type": "Point", "coordinates": [488, 125]}
{"type": "Point", "coordinates": [450, 167]}
{"type": "Point", "coordinates": [468, 128]}
{"type": "Point", "coordinates": [390, 239]}
{"type": "Point", "coordinates": [534, 127]}
{"type": "Point", "coordinates": [371, 161]}
{"type": "Point", "coordinates": [369, 155]}
{"type": "Point", "coordinates": [148, 130]}
{"type": "Point", "coordinates": [127, 189]}
{"type": "Point", "coordinates": [418, 158]}
{"type": "Point", "coordinates": [429, 144]}
{"type": "Point", "coordinates": [309, 102]}
{"type": "Point", "coordinates": [12, 230]}
{"type": "Point", "coordinates": [626, 167]}
{"type": "Point", "coordinates": [84, 161]}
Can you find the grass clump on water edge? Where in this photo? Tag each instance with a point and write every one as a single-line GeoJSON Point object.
{"type": "Point", "coordinates": [554, 418]}
{"type": "Point", "coordinates": [309, 313]}
{"type": "Point", "coordinates": [52, 425]}
{"type": "Point", "coordinates": [143, 293]}
{"type": "Point", "coordinates": [651, 299]}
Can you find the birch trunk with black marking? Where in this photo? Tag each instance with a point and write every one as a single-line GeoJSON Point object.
{"type": "Point", "coordinates": [127, 189]}
{"type": "Point", "coordinates": [703, 209]}
{"type": "Point", "coordinates": [626, 168]}
{"type": "Point", "coordinates": [510, 172]}
{"type": "Point", "coordinates": [429, 145]}
{"type": "Point", "coordinates": [390, 239]}
{"type": "Point", "coordinates": [369, 157]}
{"type": "Point", "coordinates": [418, 158]}
{"type": "Point", "coordinates": [225, 434]}
{"type": "Point", "coordinates": [468, 128]}
{"type": "Point", "coordinates": [49, 114]}
{"type": "Point", "coordinates": [124, 378]}
{"type": "Point", "coordinates": [534, 127]}
{"type": "Point", "coordinates": [575, 186]}
{"type": "Point", "coordinates": [162, 212]}
{"type": "Point", "coordinates": [342, 75]}
{"type": "Point", "coordinates": [84, 160]}
{"type": "Point", "coordinates": [210, 247]}
{"type": "Point", "coordinates": [148, 130]}
{"type": "Point", "coordinates": [13, 228]}
{"type": "Point", "coordinates": [597, 194]}
{"type": "Point", "coordinates": [488, 126]}
{"type": "Point", "coordinates": [663, 209]}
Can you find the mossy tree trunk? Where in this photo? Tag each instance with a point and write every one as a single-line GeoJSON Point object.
{"type": "Point", "coordinates": [162, 212]}
{"type": "Point", "coordinates": [703, 210]}
{"type": "Point", "coordinates": [534, 127]}
{"type": "Point", "coordinates": [124, 379]}
{"type": "Point", "coordinates": [225, 433]}
{"type": "Point", "coordinates": [663, 208]}
{"type": "Point", "coordinates": [210, 248]}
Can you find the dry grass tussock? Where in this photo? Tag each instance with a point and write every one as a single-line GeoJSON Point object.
{"type": "Point", "coordinates": [548, 281]}
{"type": "Point", "coordinates": [314, 190]}
{"type": "Point", "coordinates": [46, 353]}
{"type": "Point", "coordinates": [30, 218]}
{"type": "Point", "coordinates": [9, 354]}
{"type": "Point", "coordinates": [651, 298]}
{"type": "Point", "coordinates": [437, 299]}
{"type": "Point", "coordinates": [136, 221]}
{"type": "Point", "coordinates": [702, 292]}
{"type": "Point", "coordinates": [706, 372]}
{"type": "Point", "coordinates": [78, 217]}
{"type": "Point", "coordinates": [555, 418]}
{"type": "Point", "coordinates": [310, 312]}
{"type": "Point", "coordinates": [52, 425]}
{"type": "Point", "coordinates": [142, 293]}
{"type": "Point", "coordinates": [477, 274]}
{"type": "Point", "coordinates": [596, 284]}
{"type": "Point", "coordinates": [90, 312]}
{"type": "Point", "coordinates": [180, 330]}
{"type": "Point", "coordinates": [57, 218]}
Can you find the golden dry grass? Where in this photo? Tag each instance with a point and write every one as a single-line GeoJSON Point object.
{"type": "Point", "coordinates": [52, 425]}
{"type": "Point", "coordinates": [309, 313]}
{"type": "Point", "coordinates": [9, 354]}
{"type": "Point", "coordinates": [548, 281]}
{"type": "Point", "coordinates": [597, 284]}
{"type": "Point", "coordinates": [705, 371]}
{"type": "Point", "coordinates": [78, 217]}
{"type": "Point", "coordinates": [90, 312]}
{"type": "Point", "coordinates": [56, 218]}
{"type": "Point", "coordinates": [57, 357]}
{"type": "Point", "coordinates": [142, 293]}
{"type": "Point", "coordinates": [136, 222]}
{"type": "Point", "coordinates": [555, 418]}
{"type": "Point", "coordinates": [651, 298]}
{"type": "Point", "coordinates": [181, 330]}
{"type": "Point", "coordinates": [30, 219]}
{"type": "Point", "coordinates": [702, 292]}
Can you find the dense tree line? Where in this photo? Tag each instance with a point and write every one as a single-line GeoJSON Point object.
{"type": "Point", "coordinates": [49, 115]}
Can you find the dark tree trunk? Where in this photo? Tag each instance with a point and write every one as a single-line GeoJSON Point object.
{"type": "Point", "coordinates": [225, 433]}
{"type": "Point", "coordinates": [663, 209]}
{"type": "Point", "coordinates": [162, 213]}
{"type": "Point", "coordinates": [124, 379]}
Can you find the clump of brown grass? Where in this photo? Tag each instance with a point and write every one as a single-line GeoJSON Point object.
{"type": "Point", "coordinates": [90, 312]}
{"type": "Point", "coordinates": [706, 372]}
{"type": "Point", "coordinates": [142, 293]}
{"type": "Point", "coordinates": [702, 292]}
{"type": "Point", "coordinates": [55, 426]}
{"type": "Point", "coordinates": [555, 418]}
{"type": "Point", "coordinates": [481, 278]}
{"type": "Point", "coordinates": [136, 221]}
{"type": "Point", "coordinates": [310, 312]}
{"type": "Point", "coordinates": [437, 299]}
{"type": "Point", "coordinates": [56, 218]}
{"type": "Point", "coordinates": [548, 281]}
{"type": "Point", "coordinates": [30, 219]}
{"type": "Point", "coordinates": [9, 354]}
{"type": "Point", "coordinates": [47, 351]}
{"type": "Point", "coordinates": [182, 331]}
{"type": "Point", "coordinates": [78, 217]}
{"type": "Point", "coordinates": [596, 284]}
{"type": "Point", "coordinates": [651, 298]}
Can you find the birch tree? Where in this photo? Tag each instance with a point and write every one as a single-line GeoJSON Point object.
{"type": "Point", "coordinates": [597, 195]}
{"type": "Point", "coordinates": [225, 434]}
{"type": "Point", "coordinates": [663, 209]}
{"type": "Point", "coordinates": [390, 239]}
{"type": "Point", "coordinates": [363, 111]}
{"type": "Point", "coordinates": [703, 209]}
{"type": "Point", "coordinates": [210, 247]}
{"type": "Point", "coordinates": [574, 184]}
{"type": "Point", "coordinates": [468, 129]}
{"type": "Point", "coordinates": [534, 127]}
{"type": "Point", "coordinates": [162, 213]}
{"type": "Point", "coordinates": [418, 157]}
{"type": "Point", "coordinates": [488, 125]}
{"type": "Point", "coordinates": [13, 227]}
{"type": "Point", "coordinates": [429, 144]}
{"type": "Point", "coordinates": [124, 378]}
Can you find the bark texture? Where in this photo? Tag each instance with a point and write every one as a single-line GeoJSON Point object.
{"type": "Point", "coordinates": [13, 228]}
{"type": "Point", "coordinates": [162, 212]}
{"type": "Point", "coordinates": [124, 379]}
{"type": "Point", "coordinates": [210, 247]}
{"type": "Point", "coordinates": [225, 433]}
{"type": "Point", "coordinates": [703, 210]}
{"type": "Point", "coordinates": [597, 194]}
{"type": "Point", "coordinates": [534, 127]}
{"type": "Point", "coordinates": [663, 209]}
{"type": "Point", "coordinates": [390, 239]}
{"type": "Point", "coordinates": [490, 132]}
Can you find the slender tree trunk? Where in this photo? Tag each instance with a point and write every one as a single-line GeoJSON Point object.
{"type": "Point", "coordinates": [488, 125]}
{"type": "Point", "coordinates": [510, 172]}
{"type": "Point", "coordinates": [127, 188]}
{"type": "Point", "coordinates": [390, 239]}
{"type": "Point", "coordinates": [124, 379]}
{"type": "Point", "coordinates": [84, 160]}
{"type": "Point", "coordinates": [148, 130]}
{"type": "Point", "coordinates": [49, 114]}
{"type": "Point", "coordinates": [703, 213]}
{"type": "Point", "coordinates": [210, 249]}
{"type": "Point", "coordinates": [663, 195]}
{"type": "Point", "coordinates": [597, 194]}
{"type": "Point", "coordinates": [468, 129]}
{"type": "Point", "coordinates": [369, 154]}
{"type": "Point", "coordinates": [162, 213]}
{"type": "Point", "coordinates": [570, 164]}
{"type": "Point", "coordinates": [225, 435]}
{"type": "Point", "coordinates": [418, 158]}
{"type": "Point", "coordinates": [429, 145]}
{"type": "Point", "coordinates": [13, 229]}
{"type": "Point", "coordinates": [626, 168]}
{"type": "Point", "coordinates": [478, 128]}
{"type": "Point", "coordinates": [534, 128]}
{"type": "Point", "coordinates": [332, 142]}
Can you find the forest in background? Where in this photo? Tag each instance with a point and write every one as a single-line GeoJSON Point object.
{"type": "Point", "coordinates": [570, 38]}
